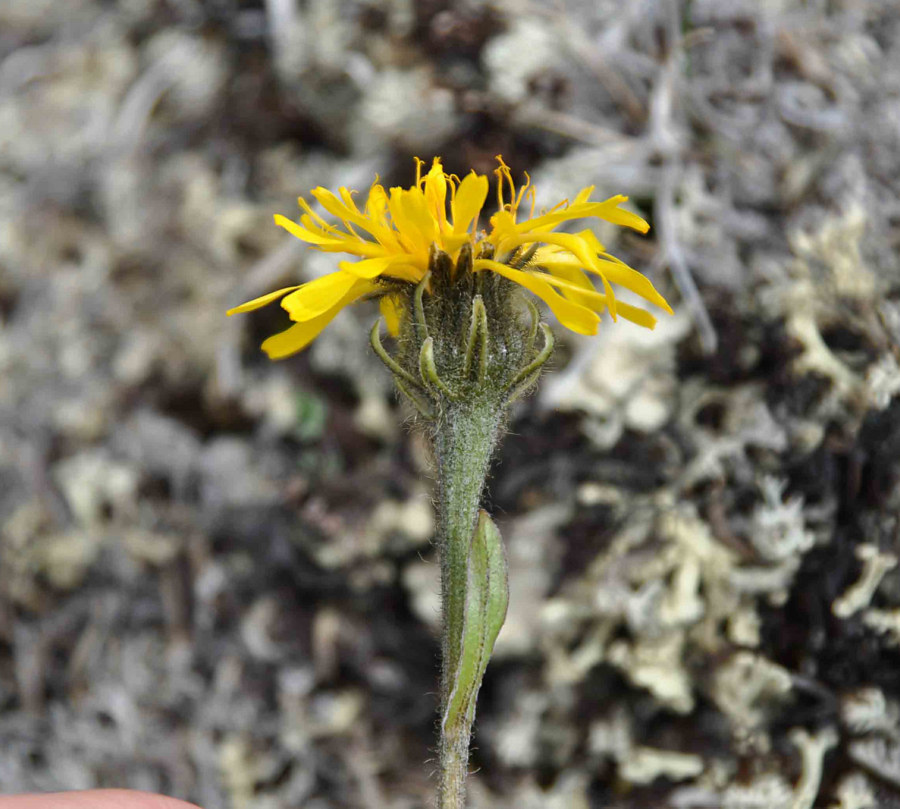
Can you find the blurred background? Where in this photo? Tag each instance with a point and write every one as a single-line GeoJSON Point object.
{"type": "Point", "coordinates": [217, 579]}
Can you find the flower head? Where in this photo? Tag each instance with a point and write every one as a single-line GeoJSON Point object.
{"type": "Point", "coordinates": [393, 236]}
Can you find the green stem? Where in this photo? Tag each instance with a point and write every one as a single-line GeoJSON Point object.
{"type": "Point", "coordinates": [465, 438]}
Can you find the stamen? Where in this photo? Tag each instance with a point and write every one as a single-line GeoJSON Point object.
{"type": "Point", "coordinates": [512, 191]}
{"type": "Point", "coordinates": [316, 218]}
{"type": "Point", "coordinates": [564, 204]}
{"type": "Point", "coordinates": [522, 191]}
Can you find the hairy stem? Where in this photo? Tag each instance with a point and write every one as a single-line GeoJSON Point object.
{"type": "Point", "coordinates": [465, 438]}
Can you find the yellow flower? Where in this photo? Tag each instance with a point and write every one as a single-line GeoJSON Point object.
{"type": "Point", "coordinates": [392, 235]}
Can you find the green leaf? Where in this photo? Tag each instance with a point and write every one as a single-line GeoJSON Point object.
{"type": "Point", "coordinates": [487, 597]}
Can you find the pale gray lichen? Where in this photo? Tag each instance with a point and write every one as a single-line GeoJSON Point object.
{"type": "Point", "coordinates": [884, 622]}
{"type": "Point", "coordinates": [779, 533]}
{"type": "Point", "coordinates": [623, 379]}
{"type": "Point", "coordinates": [813, 748]}
{"type": "Point", "coordinates": [883, 381]}
{"type": "Point", "coordinates": [879, 756]}
{"type": "Point", "coordinates": [656, 665]}
{"type": "Point", "coordinates": [746, 687]}
{"type": "Point", "coordinates": [769, 791]}
{"type": "Point", "coordinates": [778, 530]}
{"type": "Point", "coordinates": [855, 792]}
{"type": "Point", "coordinates": [747, 424]}
{"type": "Point", "coordinates": [406, 107]}
{"type": "Point", "coordinates": [645, 764]}
{"type": "Point", "coordinates": [518, 56]}
{"type": "Point", "coordinates": [868, 710]}
{"type": "Point", "coordinates": [142, 157]}
{"type": "Point", "coordinates": [93, 484]}
{"type": "Point", "coordinates": [859, 594]}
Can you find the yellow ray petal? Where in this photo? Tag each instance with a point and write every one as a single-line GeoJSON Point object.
{"type": "Point", "coordinates": [605, 265]}
{"type": "Point", "coordinates": [302, 233]}
{"type": "Point", "coordinates": [620, 273]}
{"type": "Point", "coordinates": [336, 207]}
{"type": "Point", "coordinates": [636, 315]}
{"type": "Point", "coordinates": [607, 210]}
{"type": "Point", "coordinates": [576, 245]}
{"type": "Point", "coordinates": [503, 226]}
{"type": "Point", "coordinates": [317, 221]}
{"type": "Point", "coordinates": [374, 225]}
{"type": "Point", "coordinates": [573, 316]}
{"type": "Point", "coordinates": [377, 212]}
{"type": "Point", "coordinates": [415, 216]}
{"type": "Point", "coordinates": [406, 267]}
{"type": "Point", "coordinates": [392, 312]}
{"type": "Point", "coordinates": [579, 289]}
{"type": "Point", "coordinates": [436, 191]}
{"type": "Point", "coordinates": [264, 300]}
{"type": "Point", "coordinates": [300, 335]}
{"type": "Point", "coordinates": [316, 297]}
{"type": "Point", "coordinates": [409, 236]}
{"type": "Point", "coordinates": [296, 338]}
{"type": "Point", "coordinates": [576, 285]}
{"type": "Point", "coordinates": [333, 241]}
{"type": "Point", "coordinates": [619, 216]}
{"type": "Point", "coordinates": [368, 267]}
{"type": "Point", "coordinates": [468, 201]}
{"type": "Point", "coordinates": [552, 254]}
{"type": "Point", "coordinates": [623, 275]}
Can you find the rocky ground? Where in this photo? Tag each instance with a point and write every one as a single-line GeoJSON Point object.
{"type": "Point", "coordinates": [217, 577]}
